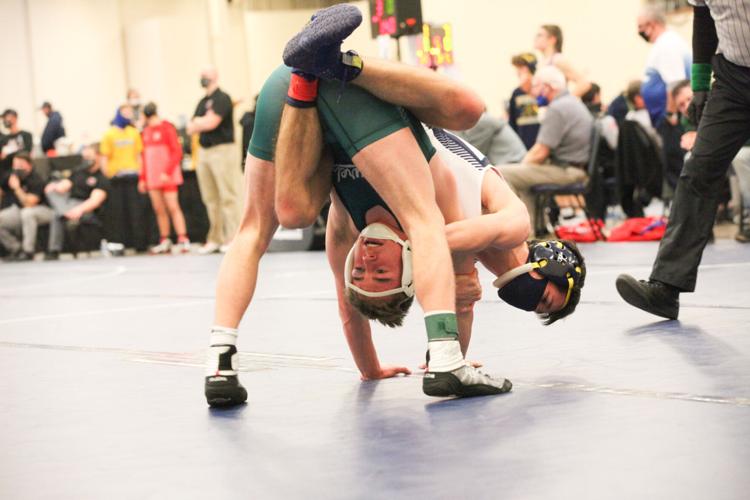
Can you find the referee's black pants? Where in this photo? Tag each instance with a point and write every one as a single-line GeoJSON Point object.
{"type": "Point", "coordinates": [724, 128]}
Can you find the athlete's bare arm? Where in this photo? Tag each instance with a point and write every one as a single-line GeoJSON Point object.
{"type": "Point", "coordinates": [505, 225]}
{"type": "Point", "coordinates": [340, 236]}
{"type": "Point", "coordinates": [433, 98]}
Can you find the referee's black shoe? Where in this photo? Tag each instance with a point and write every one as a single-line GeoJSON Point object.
{"type": "Point", "coordinates": [654, 297]}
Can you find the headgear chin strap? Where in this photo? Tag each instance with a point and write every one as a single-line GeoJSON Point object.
{"type": "Point", "coordinates": [383, 232]}
{"type": "Point", "coordinates": [553, 260]}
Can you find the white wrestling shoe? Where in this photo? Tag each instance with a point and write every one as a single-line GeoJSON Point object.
{"type": "Point", "coordinates": [209, 248]}
{"type": "Point", "coordinates": [464, 381]}
{"type": "Point", "coordinates": [164, 247]}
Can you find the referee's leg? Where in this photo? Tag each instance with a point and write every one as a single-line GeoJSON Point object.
{"type": "Point", "coordinates": [724, 128]}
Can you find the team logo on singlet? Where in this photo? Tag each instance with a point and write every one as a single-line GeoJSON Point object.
{"type": "Point", "coordinates": [344, 172]}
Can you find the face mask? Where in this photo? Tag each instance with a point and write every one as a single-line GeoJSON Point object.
{"type": "Point", "coordinates": [88, 164]}
{"type": "Point", "coordinates": [134, 102]}
{"type": "Point", "coordinates": [523, 292]}
{"type": "Point", "coordinates": [7, 124]}
{"type": "Point", "coordinates": [205, 82]}
{"type": "Point", "coordinates": [643, 35]}
{"type": "Point", "coordinates": [383, 232]}
{"type": "Point", "coordinates": [20, 173]}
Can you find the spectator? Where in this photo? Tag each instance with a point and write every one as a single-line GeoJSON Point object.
{"type": "Point", "coordinates": [523, 112]}
{"type": "Point", "coordinates": [593, 100]}
{"type": "Point", "coordinates": [22, 209]}
{"type": "Point", "coordinates": [161, 175]}
{"type": "Point", "coordinates": [133, 97]}
{"type": "Point", "coordinates": [667, 63]}
{"type": "Point", "coordinates": [639, 169]}
{"type": "Point", "coordinates": [15, 141]}
{"type": "Point", "coordinates": [562, 149]}
{"type": "Point", "coordinates": [76, 199]}
{"type": "Point", "coordinates": [54, 129]}
{"type": "Point", "coordinates": [495, 139]}
{"type": "Point", "coordinates": [549, 41]}
{"type": "Point", "coordinates": [741, 164]}
{"type": "Point", "coordinates": [219, 174]}
{"type": "Point", "coordinates": [127, 209]}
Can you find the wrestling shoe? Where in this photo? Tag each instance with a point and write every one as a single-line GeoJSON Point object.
{"type": "Point", "coordinates": [165, 246]}
{"type": "Point", "coordinates": [654, 297]}
{"type": "Point", "coordinates": [316, 49]}
{"type": "Point", "coordinates": [223, 388]}
{"type": "Point", "coordinates": [465, 381]}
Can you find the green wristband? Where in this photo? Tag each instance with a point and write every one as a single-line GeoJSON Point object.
{"type": "Point", "coordinates": [441, 326]}
{"type": "Point", "coordinates": [701, 77]}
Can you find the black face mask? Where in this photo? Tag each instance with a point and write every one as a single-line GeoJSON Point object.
{"type": "Point", "coordinates": [643, 35]}
{"type": "Point", "coordinates": [204, 82]}
{"type": "Point", "coordinates": [523, 292]}
{"type": "Point", "coordinates": [20, 173]}
{"type": "Point", "coordinates": [7, 124]}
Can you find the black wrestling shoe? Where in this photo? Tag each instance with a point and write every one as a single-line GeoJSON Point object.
{"type": "Point", "coordinates": [465, 381]}
{"type": "Point", "coordinates": [224, 388]}
{"type": "Point", "coordinates": [316, 49]}
{"type": "Point", "coordinates": [654, 297]}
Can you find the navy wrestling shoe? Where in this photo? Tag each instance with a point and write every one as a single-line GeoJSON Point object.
{"type": "Point", "coordinates": [223, 388]}
{"type": "Point", "coordinates": [317, 48]}
{"type": "Point", "coordinates": [465, 381]}
{"type": "Point", "coordinates": [654, 297]}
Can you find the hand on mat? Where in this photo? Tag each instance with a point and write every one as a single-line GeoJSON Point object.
{"type": "Point", "coordinates": [468, 291]}
{"type": "Point", "coordinates": [388, 371]}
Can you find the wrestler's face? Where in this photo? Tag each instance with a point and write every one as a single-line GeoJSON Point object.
{"type": "Point", "coordinates": [377, 264]}
{"type": "Point", "coordinates": [553, 299]}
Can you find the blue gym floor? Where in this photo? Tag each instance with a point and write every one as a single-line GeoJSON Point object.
{"type": "Point", "coordinates": [102, 390]}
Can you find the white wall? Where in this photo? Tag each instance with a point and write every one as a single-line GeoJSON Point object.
{"type": "Point", "coordinates": [16, 84]}
{"type": "Point", "coordinates": [78, 62]}
{"type": "Point", "coordinates": [83, 54]}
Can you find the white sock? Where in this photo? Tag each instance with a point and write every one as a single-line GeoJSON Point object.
{"type": "Point", "coordinates": [220, 339]}
{"type": "Point", "coordinates": [445, 355]}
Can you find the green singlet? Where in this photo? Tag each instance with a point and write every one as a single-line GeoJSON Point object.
{"type": "Point", "coordinates": [351, 118]}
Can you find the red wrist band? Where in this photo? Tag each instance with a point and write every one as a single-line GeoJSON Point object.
{"type": "Point", "coordinates": [302, 89]}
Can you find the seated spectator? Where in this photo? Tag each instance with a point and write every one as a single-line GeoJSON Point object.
{"type": "Point", "coordinates": [161, 175]}
{"type": "Point", "coordinates": [523, 110]}
{"type": "Point", "coordinates": [22, 209]}
{"type": "Point", "coordinates": [593, 99]}
{"type": "Point", "coordinates": [639, 156]}
{"type": "Point", "coordinates": [677, 134]}
{"type": "Point", "coordinates": [75, 200]}
{"type": "Point", "coordinates": [15, 141]}
{"type": "Point", "coordinates": [53, 130]}
{"type": "Point", "coordinates": [495, 139]}
{"type": "Point", "coordinates": [741, 165]}
{"type": "Point", "coordinates": [637, 110]}
{"type": "Point", "coordinates": [127, 211]}
{"type": "Point", "coordinates": [561, 152]}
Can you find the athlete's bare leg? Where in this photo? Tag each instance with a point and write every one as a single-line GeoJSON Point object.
{"type": "Point", "coordinates": [239, 268]}
{"type": "Point", "coordinates": [433, 98]}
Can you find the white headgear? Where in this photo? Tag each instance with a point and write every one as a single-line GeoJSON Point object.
{"type": "Point", "coordinates": [383, 232]}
